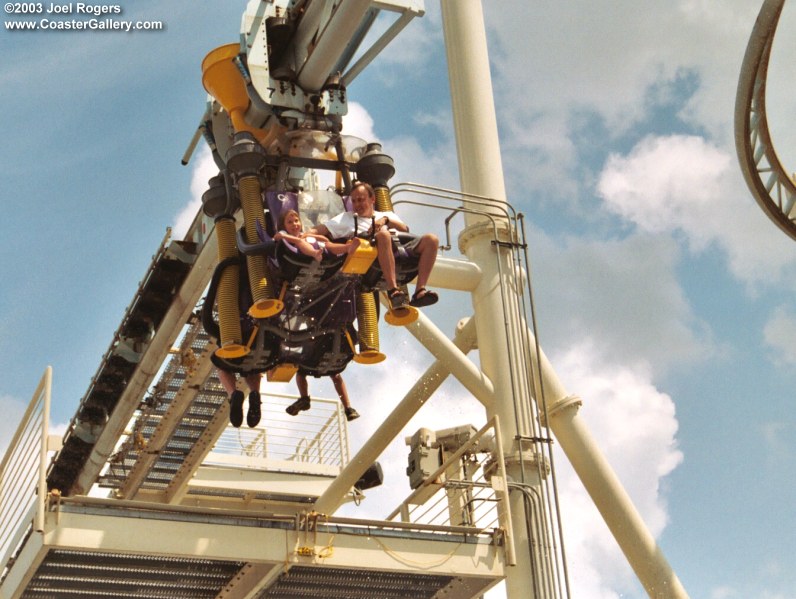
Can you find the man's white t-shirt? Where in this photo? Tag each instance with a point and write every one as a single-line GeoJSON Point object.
{"type": "Point", "coordinates": [342, 225]}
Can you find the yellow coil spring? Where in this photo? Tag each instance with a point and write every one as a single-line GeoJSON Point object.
{"type": "Point", "coordinates": [250, 190]}
{"type": "Point", "coordinates": [384, 203]}
{"type": "Point", "coordinates": [368, 322]}
{"type": "Point", "coordinates": [383, 200]}
{"type": "Point", "coordinates": [227, 294]}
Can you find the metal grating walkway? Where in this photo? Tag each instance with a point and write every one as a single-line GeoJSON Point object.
{"type": "Point", "coordinates": [191, 424]}
{"type": "Point", "coordinates": [343, 583]}
{"type": "Point", "coordinates": [69, 574]}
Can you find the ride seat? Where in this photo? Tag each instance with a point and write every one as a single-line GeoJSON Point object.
{"type": "Point", "coordinates": [300, 270]}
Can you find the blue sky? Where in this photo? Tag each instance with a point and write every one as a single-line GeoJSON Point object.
{"type": "Point", "coordinates": [664, 295]}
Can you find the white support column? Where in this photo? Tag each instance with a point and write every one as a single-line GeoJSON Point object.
{"type": "Point", "coordinates": [603, 486]}
{"type": "Point", "coordinates": [481, 173]}
{"type": "Point", "coordinates": [608, 494]}
{"type": "Point", "coordinates": [501, 355]}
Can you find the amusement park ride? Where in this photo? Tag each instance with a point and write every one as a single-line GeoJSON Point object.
{"type": "Point", "coordinates": [151, 494]}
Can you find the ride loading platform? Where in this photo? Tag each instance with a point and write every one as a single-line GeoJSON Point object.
{"type": "Point", "coordinates": [186, 506]}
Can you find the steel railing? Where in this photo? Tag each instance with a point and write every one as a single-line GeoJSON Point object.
{"type": "Point", "coordinates": [23, 474]}
{"type": "Point", "coordinates": [466, 491]}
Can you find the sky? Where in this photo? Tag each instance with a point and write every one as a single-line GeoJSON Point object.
{"type": "Point", "coordinates": [663, 293]}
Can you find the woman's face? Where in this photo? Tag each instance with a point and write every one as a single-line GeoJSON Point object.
{"type": "Point", "coordinates": [293, 223]}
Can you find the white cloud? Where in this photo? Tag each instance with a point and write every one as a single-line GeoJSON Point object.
{"type": "Point", "coordinates": [635, 426]}
{"type": "Point", "coordinates": [780, 335]}
{"type": "Point", "coordinates": [723, 592]}
{"type": "Point", "coordinates": [553, 65]}
{"type": "Point", "coordinates": [666, 183]}
{"type": "Point", "coordinates": [204, 167]}
{"type": "Point", "coordinates": [683, 184]}
{"type": "Point", "coordinates": [359, 123]}
{"type": "Point", "coordinates": [623, 295]}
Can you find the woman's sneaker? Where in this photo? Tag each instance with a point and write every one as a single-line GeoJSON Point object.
{"type": "Point", "coordinates": [351, 414]}
{"type": "Point", "coordinates": [301, 404]}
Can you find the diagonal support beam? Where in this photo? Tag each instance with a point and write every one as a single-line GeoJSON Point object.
{"type": "Point", "coordinates": [450, 357]}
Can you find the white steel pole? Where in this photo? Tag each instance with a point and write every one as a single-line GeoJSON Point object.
{"type": "Point", "coordinates": [608, 494]}
{"type": "Point", "coordinates": [45, 389]}
{"type": "Point", "coordinates": [481, 173]}
{"type": "Point", "coordinates": [603, 485]}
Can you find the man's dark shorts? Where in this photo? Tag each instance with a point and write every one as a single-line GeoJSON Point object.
{"type": "Point", "coordinates": [410, 245]}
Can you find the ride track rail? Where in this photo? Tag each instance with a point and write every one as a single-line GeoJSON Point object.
{"type": "Point", "coordinates": [770, 184]}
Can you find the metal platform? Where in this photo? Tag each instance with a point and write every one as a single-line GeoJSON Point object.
{"type": "Point", "coordinates": [237, 523]}
{"type": "Point", "coordinates": [107, 548]}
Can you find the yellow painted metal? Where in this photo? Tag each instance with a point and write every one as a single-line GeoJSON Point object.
{"type": "Point", "coordinates": [281, 373]}
{"type": "Point", "coordinates": [264, 305]}
{"type": "Point", "coordinates": [358, 262]}
{"type": "Point", "coordinates": [370, 356]}
{"type": "Point", "coordinates": [231, 341]}
{"type": "Point", "coordinates": [400, 317]}
{"type": "Point", "coordinates": [222, 80]}
{"type": "Point", "coordinates": [368, 321]}
{"type": "Point", "coordinates": [383, 199]}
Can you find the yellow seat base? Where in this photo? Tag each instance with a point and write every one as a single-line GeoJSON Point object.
{"type": "Point", "coordinates": [282, 373]}
{"type": "Point", "coordinates": [358, 262]}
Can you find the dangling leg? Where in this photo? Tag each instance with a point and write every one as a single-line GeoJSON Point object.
{"type": "Point", "coordinates": [235, 396]}
{"type": "Point", "coordinates": [342, 393]}
{"type": "Point", "coordinates": [426, 250]}
{"type": "Point", "coordinates": [303, 402]}
{"type": "Point", "coordinates": [253, 415]}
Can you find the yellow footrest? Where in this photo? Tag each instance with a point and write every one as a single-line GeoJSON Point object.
{"type": "Point", "coordinates": [358, 262]}
{"type": "Point", "coordinates": [282, 373]}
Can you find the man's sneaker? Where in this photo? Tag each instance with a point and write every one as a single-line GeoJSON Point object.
{"type": "Point", "coordinates": [351, 414]}
{"type": "Point", "coordinates": [253, 415]}
{"type": "Point", "coordinates": [303, 403]}
{"type": "Point", "coordinates": [236, 408]}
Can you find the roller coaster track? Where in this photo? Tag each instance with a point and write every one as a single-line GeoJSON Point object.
{"type": "Point", "coordinates": [773, 188]}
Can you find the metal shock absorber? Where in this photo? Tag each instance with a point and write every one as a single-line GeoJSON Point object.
{"type": "Point", "coordinates": [246, 158]}
{"type": "Point", "coordinates": [217, 204]}
{"type": "Point", "coordinates": [231, 341]}
{"type": "Point", "coordinates": [376, 168]}
{"type": "Point", "coordinates": [383, 199]}
{"type": "Point", "coordinates": [368, 321]}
